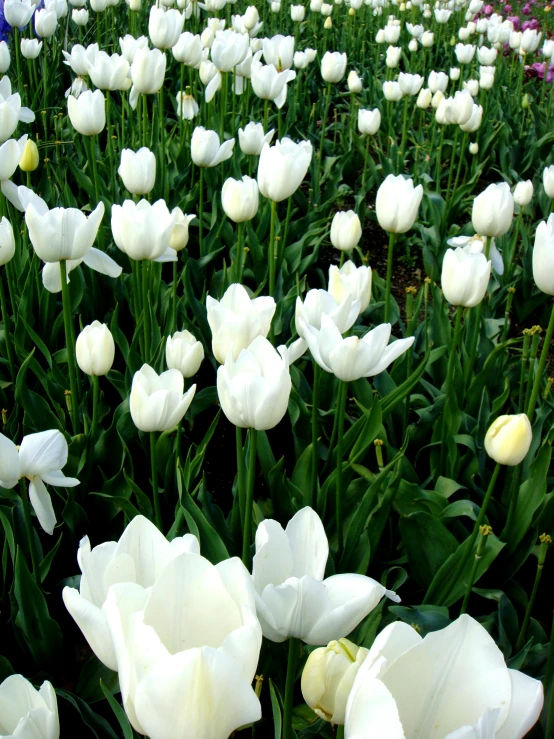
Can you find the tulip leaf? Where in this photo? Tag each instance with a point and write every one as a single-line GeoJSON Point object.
{"type": "Point", "coordinates": [118, 712]}
{"type": "Point", "coordinates": [42, 634]}
{"type": "Point", "coordinates": [423, 618]}
{"type": "Point", "coordinates": [98, 725]}
{"type": "Point", "coordinates": [531, 496]}
{"type": "Point", "coordinates": [428, 544]}
{"type": "Point", "coordinates": [46, 562]}
{"type": "Point", "coordinates": [368, 434]}
{"type": "Point", "coordinates": [276, 703]}
{"type": "Point", "coordinates": [211, 545]}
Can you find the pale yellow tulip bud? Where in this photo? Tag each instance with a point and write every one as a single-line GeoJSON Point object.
{"type": "Point", "coordinates": [30, 159]}
{"type": "Point", "coordinates": [508, 439]}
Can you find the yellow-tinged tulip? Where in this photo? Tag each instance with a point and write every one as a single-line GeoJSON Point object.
{"type": "Point", "coordinates": [30, 159]}
{"type": "Point", "coordinates": [508, 439]}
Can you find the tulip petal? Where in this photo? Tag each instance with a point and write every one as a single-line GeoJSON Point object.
{"type": "Point", "coordinates": [42, 504]}
{"type": "Point", "coordinates": [17, 698]}
{"type": "Point", "coordinates": [9, 462]}
{"type": "Point", "coordinates": [45, 451]}
{"type": "Point", "coordinates": [273, 562]}
{"type": "Point", "coordinates": [350, 598]}
{"type": "Point", "coordinates": [147, 547]}
{"type": "Point", "coordinates": [392, 352]}
{"type": "Point", "coordinates": [196, 693]}
{"type": "Point", "coordinates": [296, 606]}
{"type": "Point", "coordinates": [449, 679]}
{"type": "Point", "coordinates": [485, 728]}
{"type": "Point", "coordinates": [525, 706]}
{"type": "Point", "coordinates": [58, 479]}
{"type": "Point", "coordinates": [92, 622]}
{"type": "Point", "coordinates": [101, 262]}
{"type": "Point", "coordinates": [371, 711]}
{"type": "Point", "coordinates": [93, 565]}
{"type": "Point", "coordinates": [308, 544]}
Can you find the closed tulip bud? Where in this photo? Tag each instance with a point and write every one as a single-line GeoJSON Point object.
{"type": "Point", "coordinates": [437, 81]}
{"type": "Point", "coordinates": [437, 98]}
{"type": "Point", "coordinates": [165, 27]}
{"type": "Point", "coordinates": [30, 47]}
{"type": "Point", "coordinates": [380, 36]}
{"type": "Point", "coordinates": [472, 86]}
{"type": "Point", "coordinates": [333, 66]}
{"type": "Point", "coordinates": [18, 12]}
{"type": "Point", "coordinates": [465, 53]}
{"type": "Point", "coordinates": [27, 712]}
{"type": "Point", "coordinates": [548, 180]}
{"type": "Point", "coordinates": [523, 193]}
{"type": "Point", "coordinates": [346, 230]}
{"type": "Point", "coordinates": [95, 349]}
{"type": "Point", "coordinates": [148, 70]}
{"type": "Point", "coordinates": [412, 46]}
{"type": "Point", "coordinates": [454, 74]}
{"type": "Point", "coordinates": [397, 204]}
{"type": "Point", "coordinates": [251, 17]}
{"type": "Point", "coordinates": [157, 402]}
{"type": "Point", "coordinates": [369, 121]}
{"type": "Point", "coordinates": [427, 39]}
{"type": "Point", "coordinates": [465, 277]}
{"type": "Point", "coordinates": [184, 353]}
{"type": "Point", "coordinates": [493, 210]}
{"type": "Point", "coordinates": [180, 233]}
{"type": "Point", "coordinates": [80, 17]}
{"type": "Point", "coordinates": [30, 159]}
{"type": "Point", "coordinates": [7, 242]}
{"type": "Point", "coordinates": [543, 256]}
{"type": "Point", "coordinates": [474, 148]}
{"type": "Point", "coordinates": [351, 12]}
{"type": "Point", "coordinates": [282, 168]}
{"type": "Point", "coordinates": [45, 23]}
{"type": "Point", "coordinates": [354, 82]}
{"type": "Point", "coordinates": [252, 138]}
{"type": "Point", "coordinates": [240, 199]}
{"type": "Point", "coordinates": [254, 389]}
{"type": "Point", "coordinates": [508, 439]}
{"type": "Point", "coordinates": [188, 49]}
{"type": "Point", "coordinates": [393, 56]}
{"type": "Point", "coordinates": [410, 84]}
{"type": "Point", "coordinates": [392, 91]}
{"type": "Point", "coordinates": [138, 170]}
{"type": "Point", "coordinates": [205, 149]}
{"type": "Point", "coordinates": [236, 320]}
{"type": "Point", "coordinates": [297, 13]}
{"type": "Point", "coordinates": [350, 282]}
{"type": "Point", "coordinates": [328, 677]}
{"type": "Point", "coordinates": [327, 26]}
{"type": "Point", "coordinates": [424, 98]}
{"type": "Point", "coordinates": [87, 113]}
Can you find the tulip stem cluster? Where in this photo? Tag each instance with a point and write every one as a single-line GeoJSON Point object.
{"type": "Point", "coordinates": [542, 363]}
{"type": "Point", "coordinates": [392, 237]}
{"type": "Point", "coordinates": [249, 502]}
{"type": "Point", "coordinates": [70, 344]}
{"type": "Point", "coordinates": [546, 540]}
{"type": "Point", "coordinates": [341, 410]}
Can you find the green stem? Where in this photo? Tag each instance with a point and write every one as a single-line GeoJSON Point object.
{"type": "Point", "coordinates": [247, 531]}
{"type": "Point", "coordinates": [485, 531]}
{"type": "Point", "coordinates": [540, 566]}
{"type": "Point", "coordinates": [67, 320]}
{"type": "Point", "coordinates": [343, 388]}
{"type": "Point", "coordinates": [92, 147]}
{"type": "Point", "coordinates": [542, 364]}
{"type": "Point", "coordinates": [95, 398]}
{"type": "Point", "coordinates": [155, 493]}
{"type": "Point", "coordinates": [392, 238]}
{"type": "Point", "coordinates": [524, 360]}
{"type": "Point", "coordinates": [294, 646]}
{"type": "Point", "coordinates": [238, 254]}
{"type": "Point", "coordinates": [404, 133]}
{"type": "Point", "coordinates": [512, 504]}
{"type": "Point", "coordinates": [201, 213]}
{"type": "Point", "coordinates": [29, 527]}
{"type": "Point", "coordinates": [272, 248]}
{"type": "Point", "coordinates": [322, 139]}
{"type": "Point", "coordinates": [475, 336]}
{"type": "Point", "coordinates": [240, 473]}
{"type": "Point", "coordinates": [449, 379]}
{"type": "Point", "coordinates": [174, 297]}
{"type": "Point", "coordinates": [315, 433]}
{"type": "Point", "coordinates": [145, 310]}
{"type": "Point", "coordinates": [7, 332]}
{"type": "Point", "coordinates": [162, 142]}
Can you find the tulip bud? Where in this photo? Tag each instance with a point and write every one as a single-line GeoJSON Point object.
{"type": "Point", "coordinates": [525, 101]}
{"type": "Point", "coordinates": [508, 439]}
{"type": "Point", "coordinates": [397, 203]}
{"type": "Point", "coordinates": [30, 158]}
{"type": "Point", "coordinates": [346, 230]}
{"type": "Point", "coordinates": [351, 12]}
{"type": "Point", "coordinates": [138, 170]}
{"type": "Point", "coordinates": [548, 180]}
{"type": "Point", "coordinates": [180, 234]}
{"type": "Point", "coordinates": [328, 677]}
{"type": "Point", "coordinates": [465, 276]}
{"type": "Point", "coordinates": [95, 349]}
{"type": "Point", "coordinates": [424, 98]}
{"type": "Point", "coordinates": [328, 24]}
{"type": "Point", "coordinates": [493, 210]}
{"type": "Point", "coordinates": [523, 193]}
{"type": "Point", "coordinates": [4, 57]}
{"type": "Point", "coordinates": [474, 148]}
{"type": "Point", "coordinates": [184, 353]}
{"type": "Point", "coordinates": [369, 121]}
{"type": "Point", "coordinates": [7, 242]}
{"type": "Point", "coordinates": [543, 256]}
{"type": "Point", "coordinates": [240, 199]}
{"type": "Point", "coordinates": [454, 74]}
{"type": "Point", "coordinates": [333, 66]}
{"type": "Point", "coordinates": [412, 46]}
{"type": "Point", "coordinates": [354, 82]}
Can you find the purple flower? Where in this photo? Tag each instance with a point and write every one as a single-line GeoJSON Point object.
{"type": "Point", "coordinates": [488, 9]}
{"type": "Point", "coordinates": [526, 9]}
{"type": "Point", "coordinates": [539, 68]}
{"type": "Point", "coordinates": [507, 8]}
{"type": "Point", "coordinates": [515, 20]}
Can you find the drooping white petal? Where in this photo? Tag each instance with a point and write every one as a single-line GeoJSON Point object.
{"type": "Point", "coordinates": [42, 504]}
{"type": "Point", "coordinates": [45, 451]}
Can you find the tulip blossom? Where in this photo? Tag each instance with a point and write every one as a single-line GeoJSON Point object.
{"type": "Point", "coordinates": [205, 148]}
{"type": "Point", "coordinates": [475, 245]}
{"type": "Point", "coordinates": [7, 241]}
{"type": "Point", "coordinates": [18, 12]}
{"type": "Point", "coordinates": [129, 45]}
{"type": "Point", "coordinates": [508, 439]}
{"type": "Point", "coordinates": [464, 53]}
{"type": "Point", "coordinates": [80, 58]}
{"type": "Point", "coordinates": [548, 180]}
{"type": "Point", "coordinates": [11, 152]}
{"type": "Point", "coordinates": [109, 72]}
{"type": "Point", "coordinates": [353, 358]}
{"type": "Point", "coordinates": [236, 320]}
{"type": "Point", "coordinates": [184, 353]}
{"type": "Point", "coordinates": [229, 49]}
{"type": "Point", "coordinates": [270, 84]}
{"type": "Point", "coordinates": [165, 27]}
{"type": "Point", "coordinates": [187, 649]}
{"type": "Point", "coordinates": [30, 48]}
{"type": "Point", "coordinates": [292, 598]}
{"type": "Point", "coordinates": [282, 168]}
{"type": "Point", "coordinates": [465, 277]}
{"type": "Point", "coordinates": [319, 302]}
{"type": "Point", "coordinates": [188, 49]}
{"type": "Point", "coordinates": [351, 281]}
{"type": "Point", "coordinates": [27, 713]}
{"type": "Point", "coordinates": [395, 691]}
{"type": "Point", "coordinates": [333, 66]}
{"type": "Point", "coordinates": [346, 230]}
{"type": "Point", "coordinates": [187, 107]}
{"type": "Point", "coordinates": [239, 199]}
{"type": "Point", "coordinates": [543, 256]}
{"type": "Point", "coordinates": [410, 84]}
{"type": "Point", "coordinates": [437, 81]}
{"type": "Point", "coordinates": [61, 233]}
{"type": "Point", "coordinates": [157, 402]}
{"type": "Point", "coordinates": [393, 56]}
{"type": "Point", "coordinates": [180, 234]}
{"type": "Point", "coordinates": [147, 73]}
{"type": "Point", "coordinates": [493, 210]}
{"type": "Point", "coordinates": [252, 138]}
{"type": "Point", "coordinates": [138, 170]}
{"type": "Point", "coordinates": [397, 204]}
{"type": "Point", "coordinates": [392, 91]}
{"type": "Point", "coordinates": [369, 121]}
{"type": "Point", "coordinates": [279, 51]}
{"type": "Point", "coordinates": [140, 557]}
{"type": "Point", "coordinates": [328, 676]}
{"type": "Point", "coordinates": [95, 349]}
{"type": "Point", "coordinates": [523, 193]}
{"type": "Point", "coordinates": [87, 113]}
{"type": "Point", "coordinates": [40, 458]}
{"type": "Point", "coordinates": [142, 230]}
